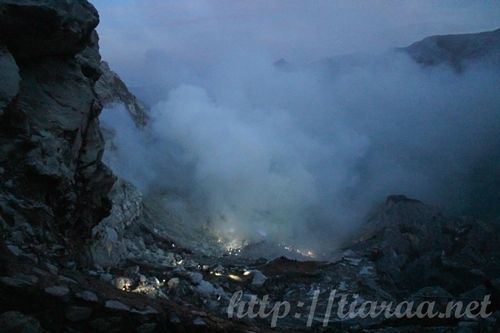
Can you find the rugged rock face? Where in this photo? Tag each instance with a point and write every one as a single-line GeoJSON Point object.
{"type": "Point", "coordinates": [50, 142]}
{"type": "Point", "coordinates": [36, 28]}
{"type": "Point", "coordinates": [111, 90]}
{"type": "Point", "coordinates": [108, 246]}
{"type": "Point", "coordinates": [413, 244]}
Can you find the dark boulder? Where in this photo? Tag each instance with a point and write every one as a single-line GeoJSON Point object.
{"type": "Point", "coordinates": [36, 28]}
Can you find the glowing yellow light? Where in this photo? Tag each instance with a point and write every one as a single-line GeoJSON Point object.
{"type": "Point", "coordinates": [234, 277]}
{"type": "Point", "coordinates": [218, 274]}
{"type": "Point", "coordinates": [246, 273]}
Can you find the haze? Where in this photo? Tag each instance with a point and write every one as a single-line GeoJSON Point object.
{"type": "Point", "coordinates": [297, 152]}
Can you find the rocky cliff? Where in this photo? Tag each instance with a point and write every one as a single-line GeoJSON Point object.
{"type": "Point", "coordinates": [50, 142]}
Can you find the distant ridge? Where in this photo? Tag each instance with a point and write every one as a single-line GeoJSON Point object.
{"type": "Point", "coordinates": [456, 50]}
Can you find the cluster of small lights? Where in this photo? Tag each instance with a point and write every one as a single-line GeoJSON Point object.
{"type": "Point", "coordinates": [233, 252]}
{"type": "Point", "coordinates": [234, 248]}
{"type": "Point", "coordinates": [305, 253]}
{"type": "Point", "coordinates": [232, 275]}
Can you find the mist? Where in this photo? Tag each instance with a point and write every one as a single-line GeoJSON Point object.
{"type": "Point", "coordinates": [298, 153]}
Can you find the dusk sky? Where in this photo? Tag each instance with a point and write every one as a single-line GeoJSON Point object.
{"type": "Point", "coordinates": [199, 33]}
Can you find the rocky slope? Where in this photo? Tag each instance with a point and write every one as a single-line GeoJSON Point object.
{"type": "Point", "coordinates": [81, 252]}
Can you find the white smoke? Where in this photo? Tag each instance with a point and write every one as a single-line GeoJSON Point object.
{"type": "Point", "coordinates": [303, 154]}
